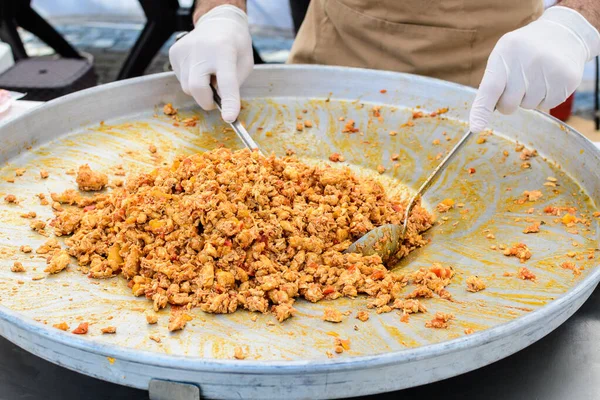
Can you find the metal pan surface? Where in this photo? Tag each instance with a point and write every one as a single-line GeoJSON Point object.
{"type": "Point", "coordinates": [114, 124]}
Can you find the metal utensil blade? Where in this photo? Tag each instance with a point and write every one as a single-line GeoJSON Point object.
{"type": "Point", "coordinates": [385, 240]}
{"type": "Point", "coordinates": [236, 125]}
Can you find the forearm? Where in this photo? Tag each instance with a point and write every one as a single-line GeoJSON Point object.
{"type": "Point", "coordinates": [205, 6]}
{"type": "Point", "coordinates": [590, 9]}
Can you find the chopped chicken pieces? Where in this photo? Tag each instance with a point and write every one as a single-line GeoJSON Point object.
{"type": "Point", "coordinates": [89, 181]}
{"type": "Point", "coordinates": [17, 267]}
{"type": "Point", "coordinates": [82, 329]}
{"type": "Point", "coordinates": [526, 274]}
{"type": "Point", "coordinates": [475, 284]}
{"type": "Point", "coordinates": [519, 250]}
{"type": "Point", "coordinates": [215, 231]}
{"type": "Point", "coordinates": [332, 315]}
{"type": "Point", "coordinates": [440, 320]}
{"type": "Point", "coordinates": [432, 280]}
{"type": "Point", "coordinates": [362, 316]}
{"type": "Point", "coordinates": [58, 262]}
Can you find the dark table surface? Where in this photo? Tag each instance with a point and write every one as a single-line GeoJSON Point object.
{"type": "Point", "coordinates": [563, 365]}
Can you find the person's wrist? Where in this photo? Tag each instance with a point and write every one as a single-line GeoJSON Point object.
{"type": "Point", "coordinates": [201, 14]}
{"type": "Point", "coordinates": [578, 25]}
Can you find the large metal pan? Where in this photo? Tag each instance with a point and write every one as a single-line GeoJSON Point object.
{"type": "Point", "coordinates": [289, 360]}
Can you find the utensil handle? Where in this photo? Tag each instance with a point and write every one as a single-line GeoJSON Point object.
{"type": "Point", "coordinates": [445, 162]}
{"type": "Point", "coordinates": [432, 177]}
{"type": "Point", "coordinates": [237, 126]}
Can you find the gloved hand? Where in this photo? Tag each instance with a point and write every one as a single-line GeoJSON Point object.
{"type": "Point", "coordinates": [539, 65]}
{"type": "Point", "coordinates": [220, 45]}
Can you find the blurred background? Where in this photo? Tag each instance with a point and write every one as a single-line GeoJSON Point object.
{"type": "Point", "coordinates": [108, 29]}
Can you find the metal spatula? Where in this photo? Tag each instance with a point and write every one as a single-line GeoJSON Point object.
{"type": "Point", "coordinates": [386, 239]}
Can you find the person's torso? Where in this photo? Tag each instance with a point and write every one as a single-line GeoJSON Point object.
{"type": "Point", "coordinates": [448, 39]}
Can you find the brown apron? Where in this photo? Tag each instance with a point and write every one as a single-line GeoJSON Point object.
{"type": "Point", "coordinates": [446, 39]}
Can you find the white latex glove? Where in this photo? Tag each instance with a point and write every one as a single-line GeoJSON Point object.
{"type": "Point", "coordinates": [539, 65]}
{"type": "Point", "coordinates": [220, 45]}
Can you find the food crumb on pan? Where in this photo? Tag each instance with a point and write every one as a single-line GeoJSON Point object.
{"type": "Point", "coordinates": [17, 267]}
{"type": "Point", "coordinates": [350, 127]}
{"type": "Point", "coordinates": [239, 353]}
{"type": "Point", "coordinates": [26, 249]}
{"type": "Point", "coordinates": [526, 274]}
{"type": "Point", "coordinates": [155, 338]}
{"type": "Point", "coordinates": [11, 199]}
{"type": "Point", "coordinates": [380, 169]}
{"type": "Point", "coordinates": [29, 215]}
{"type": "Point", "coordinates": [177, 321]}
{"type": "Point", "coordinates": [82, 329]}
{"type": "Point", "coordinates": [44, 174]}
{"type": "Point", "coordinates": [63, 326]}
{"type": "Point", "coordinates": [48, 246]}
{"type": "Point", "coordinates": [362, 315]}
{"type": "Point", "coordinates": [519, 250]}
{"type": "Point", "coordinates": [530, 196]}
{"type": "Point", "coordinates": [469, 331]}
{"type": "Point", "coordinates": [571, 266]}
{"type": "Point", "coordinates": [58, 262]}
{"type": "Point", "coordinates": [533, 228]}
{"type": "Point", "coordinates": [88, 180]}
{"type": "Point", "coordinates": [152, 149]}
{"type": "Point", "coordinates": [332, 315]}
{"type": "Point", "coordinates": [108, 330]}
{"type": "Point", "coordinates": [336, 157]}
{"type": "Point", "coordinates": [475, 284]}
{"type": "Point", "coordinates": [409, 306]}
{"type": "Point", "coordinates": [168, 109]}
{"type": "Point", "coordinates": [151, 318]}
{"type": "Point", "coordinates": [445, 205]}
{"type": "Point", "coordinates": [440, 320]}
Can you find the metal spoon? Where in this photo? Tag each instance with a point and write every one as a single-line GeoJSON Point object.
{"type": "Point", "coordinates": [236, 125]}
{"type": "Point", "coordinates": [386, 239]}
